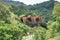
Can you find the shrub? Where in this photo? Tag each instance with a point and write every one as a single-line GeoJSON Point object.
{"type": "Point", "coordinates": [55, 38]}
{"type": "Point", "coordinates": [40, 34]}
{"type": "Point", "coordinates": [12, 32]}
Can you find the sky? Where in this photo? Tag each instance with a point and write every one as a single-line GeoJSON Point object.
{"type": "Point", "coordinates": [31, 2]}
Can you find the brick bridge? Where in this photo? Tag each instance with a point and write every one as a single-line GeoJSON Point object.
{"type": "Point", "coordinates": [33, 20]}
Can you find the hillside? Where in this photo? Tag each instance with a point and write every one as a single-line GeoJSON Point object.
{"type": "Point", "coordinates": [19, 21]}
{"type": "Point", "coordinates": [45, 9]}
{"type": "Point", "coordinates": [10, 8]}
{"type": "Point", "coordinates": [7, 15]}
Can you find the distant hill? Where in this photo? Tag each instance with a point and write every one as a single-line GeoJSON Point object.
{"type": "Point", "coordinates": [15, 2]}
{"type": "Point", "coordinates": [45, 9]}
{"type": "Point", "coordinates": [12, 2]}
{"type": "Point", "coordinates": [19, 8]}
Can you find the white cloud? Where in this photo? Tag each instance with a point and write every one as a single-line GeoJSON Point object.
{"type": "Point", "coordinates": [31, 1]}
{"type": "Point", "coordinates": [58, 0]}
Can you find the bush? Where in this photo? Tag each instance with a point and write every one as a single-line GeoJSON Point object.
{"type": "Point", "coordinates": [9, 32]}
{"type": "Point", "coordinates": [40, 34]}
{"type": "Point", "coordinates": [12, 32]}
{"type": "Point", "coordinates": [53, 30]}
{"type": "Point", "coordinates": [55, 38]}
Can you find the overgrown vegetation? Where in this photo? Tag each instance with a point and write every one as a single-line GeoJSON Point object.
{"type": "Point", "coordinates": [12, 29]}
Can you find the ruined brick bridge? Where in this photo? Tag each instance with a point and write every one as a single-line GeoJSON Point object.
{"type": "Point", "coordinates": [33, 20]}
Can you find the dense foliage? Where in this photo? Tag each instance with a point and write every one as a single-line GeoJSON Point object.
{"type": "Point", "coordinates": [45, 9]}
{"type": "Point", "coordinates": [9, 32]}
{"type": "Point", "coordinates": [53, 31]}
{"type": "Point", "coordinates": [39, 34]}
{"type": "Point", "coordinates": [12, 32]}
{"type": "Point", "coordinates": [12, 29]}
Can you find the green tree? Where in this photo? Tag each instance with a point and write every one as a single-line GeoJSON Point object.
{"type": "Point", "coordinates": [56, 11]}
{"type": "Point", "coordinates": [13, 32]}
{"type": "Point", "coordinates": [39, 34]}
{"type": "Point", "coordinates": [54, 27]}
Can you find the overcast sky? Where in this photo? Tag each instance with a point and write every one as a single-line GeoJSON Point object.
{"type": "Point", "coordinates": [32, 1]}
